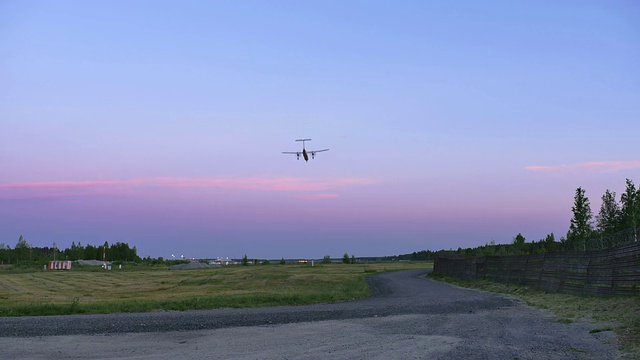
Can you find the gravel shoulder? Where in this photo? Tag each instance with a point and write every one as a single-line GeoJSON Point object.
{"type": "Point", "coordinates": [407, 316]}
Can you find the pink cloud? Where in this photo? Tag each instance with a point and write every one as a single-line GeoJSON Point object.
{"type": "Point", "coordinates": [316, 196]}
{"type": "Point", "coordinates": [269, 184]}
{"type": "Point", "coordinates": [589, 166]}
{"type": "Point", "coordinates": [47, 189]}
{"type": "Point", "coordinates": [57, 184]}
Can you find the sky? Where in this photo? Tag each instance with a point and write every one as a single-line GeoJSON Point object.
{"type": "Point", "coordinates": [450, 124]}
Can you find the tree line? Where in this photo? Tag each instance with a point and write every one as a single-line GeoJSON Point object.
{"type": "Point", "coordinates": [617, 223]}
{"type": "Point", "coordinates": [23, 252]}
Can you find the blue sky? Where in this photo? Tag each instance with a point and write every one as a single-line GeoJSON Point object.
{"type": "Point", "coordinates": [162, 124]}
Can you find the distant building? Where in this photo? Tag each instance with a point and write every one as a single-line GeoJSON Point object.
{"type": "Point", "coordinates": [60, 265]}
{"type": "Point", "coordinates": [222, 261]}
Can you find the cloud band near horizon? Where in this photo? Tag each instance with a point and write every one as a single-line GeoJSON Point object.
{"type": "Point", "coordinates": [608, 166]}
{"type": "Point", "coordinates": [49, 189]}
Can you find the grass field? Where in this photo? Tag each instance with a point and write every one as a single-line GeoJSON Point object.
{"type": "Point", "coordinates": [620, 314]}
{"type": "Point", "coordinates": [138, 289]}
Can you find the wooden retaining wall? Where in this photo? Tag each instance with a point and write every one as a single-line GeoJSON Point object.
{"type": "Point", "coordinates": [607, 272]}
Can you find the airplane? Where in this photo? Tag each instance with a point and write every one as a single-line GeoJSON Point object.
{"type": "Point", "coordinates": [304, 152]}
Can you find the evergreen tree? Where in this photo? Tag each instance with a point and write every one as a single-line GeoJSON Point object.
{"type": "Point", "coordinates": [580, 229]}
{"type": "Point", "coordinates": [636, 232]}
{"type": "Point", "coordinates": [345, 258]}
{"type": "Point", "coordinates": [607, 221]}
{"type": "Point", "coordinates": [76, 251]}
{"type": "Point", "coordinates": [22, 248]}
{"type": "Point", "coordinates": [5, 254]}
{"type": "Point", "coordinates": [91, 253]}
{"type": "Point", "coordinates": [550, 243]}
{"type": "Point", "coordinates": [630, 210]}
{"type": "Point", "coordinates": [245, 260]}
{"type": "Point", "coordinates": [71, 253]}
{"type": "Point", "coordinates": [326, 259]}
{"type": "Point", "coordinates": [518, 244]}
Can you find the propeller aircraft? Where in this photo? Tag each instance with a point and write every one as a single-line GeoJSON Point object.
{"type": "Point", "coordinates": [305, 153]}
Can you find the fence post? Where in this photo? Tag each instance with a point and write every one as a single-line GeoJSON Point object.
{"type": "Point", "coordinates": [614, 272]}
{"type": "Point", "coordinates": [544, 259]}
{"type": "Point", "coordinates": [524, 273]}
{"type": "Point", "coordinates": [588, 279]}
{"type": "Point", "coordinates": [563, 270]}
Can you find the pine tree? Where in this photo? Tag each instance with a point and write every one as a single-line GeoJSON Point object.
{"type": "Point", "coordinates": [607, 221]}
{"type": "Point", "coordinates": [518, 244]}
{"type": "Point", "coordinates": [636, 232]}
{"type": "Point", "coordinates": [22, 243]}
{"type": "Point", "coordinates": [22, 248]}
{"type": "Point", "coordinates": [550, 243]}
{"type": "Point", "coordinates": [630, 210]}
{"type": "Point", "coordinates": [580, 229]}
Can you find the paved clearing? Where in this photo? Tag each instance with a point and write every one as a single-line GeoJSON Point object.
{"type": "Point", "coordinates": [407, 317]}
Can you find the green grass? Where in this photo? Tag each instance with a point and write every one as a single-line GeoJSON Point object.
{"type": "Point", "coordinates": [139, 289]}
{"type": "Point", "coordinates": [619, 314]}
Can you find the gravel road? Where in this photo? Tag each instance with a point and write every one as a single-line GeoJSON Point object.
{"type": "Point", "coordinates": [407, 316]}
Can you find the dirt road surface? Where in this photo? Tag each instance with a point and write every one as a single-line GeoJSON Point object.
{"type": "Point", "coordinates": [408, 317]}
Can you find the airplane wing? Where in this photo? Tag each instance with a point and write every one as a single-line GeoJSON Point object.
{"type": "Point", "coordinates": [292, 152]}
{"type": "Point", "coordinates": [317, 151]}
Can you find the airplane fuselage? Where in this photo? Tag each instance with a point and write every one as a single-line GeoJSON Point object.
{"type": "Point", "coordinates": [305, 154]}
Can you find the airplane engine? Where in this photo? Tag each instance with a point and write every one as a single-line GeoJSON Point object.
{"type": "Point", "coordinates": [305, 153]}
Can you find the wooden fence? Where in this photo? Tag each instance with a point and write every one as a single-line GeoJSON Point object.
{"type": "Point", "coordinates": [613, 271]}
